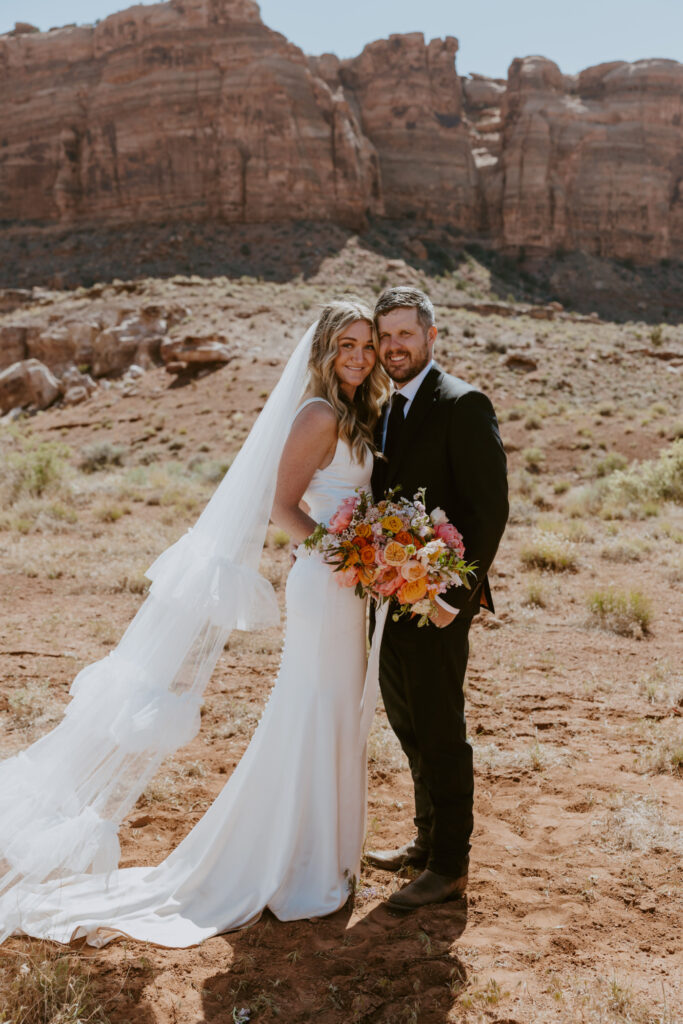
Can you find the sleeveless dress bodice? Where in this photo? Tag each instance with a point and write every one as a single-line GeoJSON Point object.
{"type": "Point", "coordinates": [340, 480]}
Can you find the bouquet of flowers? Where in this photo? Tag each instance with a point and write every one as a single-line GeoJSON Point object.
{"type": "Point", "coordinates": [393, 550]}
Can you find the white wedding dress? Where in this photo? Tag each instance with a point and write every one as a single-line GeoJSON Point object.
{"type": "Point", "coordinates": [286, 832]}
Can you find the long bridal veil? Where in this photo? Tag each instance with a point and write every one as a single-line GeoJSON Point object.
{"type": "Point", "coordinates": [63, 798]}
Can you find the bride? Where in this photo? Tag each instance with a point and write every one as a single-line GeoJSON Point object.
{"type": "Point", "coordinates": [286, 831]}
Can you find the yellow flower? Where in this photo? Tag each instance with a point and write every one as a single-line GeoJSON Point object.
{"type": "Point", "coordinates": [363, 530]}
{"type": "Point", "coordinates": [392, 523]}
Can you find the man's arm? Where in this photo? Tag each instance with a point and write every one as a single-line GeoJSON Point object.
{"type": "Point", "coordinates": [479, 467]}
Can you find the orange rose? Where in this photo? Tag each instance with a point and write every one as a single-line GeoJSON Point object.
{"type": "Point", "coordinates": [352, 556]}
{"type": "Point", "coordinates": [367, 555]}
{"type": "Point", "coordinates": [392, 523]}
{"type": "Point", "coordinates": [366, 575]}
{"type": "Point", "coordinates": [360, 542]}
{"type": "Point", "coordinates": [394, 554]}
{"type": "Point", "coordinates": [403, 537]}
{"type": "Point", "coordinates": [412, 591]}
{"type": "Point", "coordinates": [363, 530]}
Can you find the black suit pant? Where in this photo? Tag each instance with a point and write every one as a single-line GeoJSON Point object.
{"type": "Point", "coordinates": [422, 672]}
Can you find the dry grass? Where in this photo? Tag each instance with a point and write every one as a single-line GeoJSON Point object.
{"type": "Point", "coordinates": [535, 595]}
{"type": "Point", "coordinates": [44, 984]}
{"type": "Point", "coordinates": [590, 999]}
{"type": "Point", "coordinates": [637, 823]}
{"type": "Point", "coordinates": [549, 551]}
{"type": "Point", "coordinates": [535, 757]}
{"type": "Point", "coordinates": [100, 456]}
{"type": "Point", "coordinates": [627, 614]}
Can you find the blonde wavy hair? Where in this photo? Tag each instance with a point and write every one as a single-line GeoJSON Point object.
{"type": "Point", "coordinates": [357, 419]}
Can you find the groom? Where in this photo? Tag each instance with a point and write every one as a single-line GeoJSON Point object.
{"type": "Point", "coordinates": [439, 433]}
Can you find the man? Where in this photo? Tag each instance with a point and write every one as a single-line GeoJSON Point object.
{"type": "Point", "coordinates": [441, 434]}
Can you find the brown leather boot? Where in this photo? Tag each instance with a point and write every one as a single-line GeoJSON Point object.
{"type": "Point", "coordinates": [412, 855]}
{"type": "Point", "coordinates": [429, 888]}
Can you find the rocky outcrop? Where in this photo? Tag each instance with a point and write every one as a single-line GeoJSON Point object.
{"type": "Point", "coordinates": [191, 109]}
{"type": "Point", "coordinates": [593, 162]}
{"type": "Point", "coordinates": [194, 110]}
{"type": "Point", "coordinates": [408, 99]}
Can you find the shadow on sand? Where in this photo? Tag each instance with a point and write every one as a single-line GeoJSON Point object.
{"type": "Point", "coordinates": [358, 965]}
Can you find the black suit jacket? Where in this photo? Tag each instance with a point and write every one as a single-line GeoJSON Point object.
{"type": "Point", "coordinates": [450, 445]}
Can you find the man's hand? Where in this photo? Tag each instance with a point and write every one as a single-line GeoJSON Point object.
{"type": "Point", "coordinates": [440, 617]}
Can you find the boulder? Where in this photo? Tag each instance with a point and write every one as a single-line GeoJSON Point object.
{"type": "Point", "coordinates": [179, 354]}
{"type": "Point", "coordinates": [520, 361]}
{"type": "Point", "coordinates": [27, 383]}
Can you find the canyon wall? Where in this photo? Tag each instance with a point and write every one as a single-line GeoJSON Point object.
{"type": "Point", "coordinates": [195, 110]}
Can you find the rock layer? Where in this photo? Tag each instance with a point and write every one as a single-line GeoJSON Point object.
{"type": "Point", "coordinates": [194, 110]}
{"type": "Point", "coordinates": [188, 110]}
{"type": "Point", "coordinates": [594, 161]}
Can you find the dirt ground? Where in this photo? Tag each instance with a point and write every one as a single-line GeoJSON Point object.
{"type": "Point", "coordinates": [574, 906]}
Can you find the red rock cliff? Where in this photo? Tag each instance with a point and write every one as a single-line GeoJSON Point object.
{"type": "Point", "coordinates": [185, 110]}
{"type": "Point", "coordinates": [195, 110]}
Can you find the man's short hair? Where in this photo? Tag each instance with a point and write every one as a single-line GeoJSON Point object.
{"type": "Point", "coordinates": [406, 298]}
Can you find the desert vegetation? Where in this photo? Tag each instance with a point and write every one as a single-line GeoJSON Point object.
{"type": "Point", "coordinates": [575, 693]}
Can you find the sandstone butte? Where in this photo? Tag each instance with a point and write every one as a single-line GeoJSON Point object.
{"type": "Point", "coordinates": [195, 110]}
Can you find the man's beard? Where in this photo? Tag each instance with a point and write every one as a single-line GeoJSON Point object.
{"type": "Point", "coordinates": [414, 365]}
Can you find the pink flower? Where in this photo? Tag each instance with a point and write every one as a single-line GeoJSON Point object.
{"type": "Point", "coordinates": [341, 519]}
{"type": "Point", "coordinates": [449, 535]}
{"type": "Point", "coordinates": [388, 582]}
{"type": "Point", "coordinates": [347, 577]}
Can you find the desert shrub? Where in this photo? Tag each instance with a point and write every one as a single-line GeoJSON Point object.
{"type": "Point", "coordinates": [533, 459]}
{"type": "Point", "coordinates": [636, 491]}
{"type": "Point", "coordinates": [549, 551]}
{"type": "Point", "coordinates": [99, 456]}
{"type": "Point", "coordinates": [280, 538]}
{"type": "Point", "coordinates": [109, 512]}
{"type": "Point", "coordinates": [210, 470]}
{"type": "Point", "coordinates": [627, 614]}
{"type": "Point", "coordinates": [535, 595]}
{"type": "Point", "coordinates": [533, 422]}
{"type": "Point", "coordinates": [29, 468]}
{"type": "Point", "coordinates": [515, 413]}
{"type": "Point", "coordinates": [622, 551]}
{"type": "Point", "coordinates": [44, 985]}
{"type": "Point", "coordinates": [610, 463]}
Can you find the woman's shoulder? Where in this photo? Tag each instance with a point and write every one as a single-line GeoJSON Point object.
{"type": "Point", "coordinates": [318, 415]}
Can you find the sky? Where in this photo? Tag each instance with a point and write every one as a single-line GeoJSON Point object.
{"type": "Point", "coordinates": [574, 33]}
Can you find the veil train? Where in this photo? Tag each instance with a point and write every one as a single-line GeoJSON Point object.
{"type": "Point", "coordinates": [64, 797]}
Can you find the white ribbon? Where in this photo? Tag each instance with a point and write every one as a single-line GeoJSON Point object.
{"type": "Point", "coordinates": [368, 701]}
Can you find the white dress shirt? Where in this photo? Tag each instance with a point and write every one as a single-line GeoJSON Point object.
{"type": "Point", "coordinates": [408, 391]}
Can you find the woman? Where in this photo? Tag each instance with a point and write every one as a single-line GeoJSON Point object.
{"type": "Point", "coordinates": [286, 831]}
